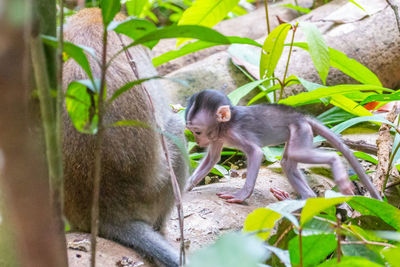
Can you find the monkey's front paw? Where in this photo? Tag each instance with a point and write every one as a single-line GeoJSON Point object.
{"type": "Point", "coordinates": [279, 194]}
{"type": "Point", "coordinates": [237, 197]}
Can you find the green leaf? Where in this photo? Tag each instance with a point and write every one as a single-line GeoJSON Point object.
{"type": "Point", "coordinates": [189, 31]}
{"type": "Point", "coordinates": [352, 68]}
{"type": "Point", "coordinates": [297, 8]}
{"type": "Point", "coordinates": [347, 65]}
{"type": "Point", "coordinates": [77, 52]}
{"type": "Point", "coordinates": [285, 208]}
{"type": "Point", "coordinates": [242, 91]}
{"type": "Point", "coordinates": [334, 115]}
{"type": "Point", "coordinates": [272, 50]}
{"type": "Point", "coordinates": [315, 248]}
{"type": "Point", "coordinates": [382, 98]}
{"type": "Point", "coordinates": [196, 46]}
{"type": "Point", "coordinates": [354, 2]}
{"type": "Point", "coordinates": [283, 255]}
{"type": "Point", "coordinates": [128, 86]}
{"type": "Point", "coordinates": [349, 105]}
{"type": "Point", "coordinates": [206, 13]}
{"type": "Point", "coordinates": [314, 206]}
{"type": "Point", "coordinates": [388, 235]}
{"type": "Point", "coordinates": [132, 27]}
{"type": "Point", "coordinates": [260, 220]}
{"type": "Point", "coordinates": [392, 256]}
{"type": "Point", "coordinates": [365, 156]}
{"type": "Point", "coordinates": [318, 49]}
{"type": "Point", "coordinates": [231, 250]}
{"type": "Point", "coordinates": [135, 7]}
{"type": "Point", "coordinates": [383, 210]}
{"type": "Point", "coordinates": [109, 8]}
{"type": "Point", "coordinates": [349, 262]}
{"type": "Point", "coordinates": [308, 97]}
{"type": "Point", "coordinates": [81, 106]}
{"type": "Point", "coordinates": [272, 154]}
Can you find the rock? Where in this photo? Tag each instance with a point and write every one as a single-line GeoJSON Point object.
{"type": "Point", "coordinates": [207, 216]}
{"type": "Point", "coordinates": [109, 253]}
{"type": "Point", "coordinates": [252, 25]}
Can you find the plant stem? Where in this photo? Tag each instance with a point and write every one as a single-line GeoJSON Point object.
{"type": "Point", "coordinates": [98, 155]}
{"type": "Point", "coordinates": [389, 167]}
{"type": "Point", "coordinates": [339, 249]}
{"type": "Point", "coordinates": [267, 16]}
{"type": "Point", "coordinates": [287, 63]}
{"type": "Point", "coordinates": [301, 247]}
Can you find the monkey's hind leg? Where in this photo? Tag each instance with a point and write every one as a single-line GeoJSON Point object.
{"type": "Point", "coordinates": [145, 240]}
{"type": "Point", "coordinates": [299, 148]}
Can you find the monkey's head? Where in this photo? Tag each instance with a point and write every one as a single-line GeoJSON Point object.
{"type": "Point", "coordinates": [206, 113]}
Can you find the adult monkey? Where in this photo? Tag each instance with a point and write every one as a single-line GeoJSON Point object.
{"type": "Point", "coordinates": [136, 194]}
{"type": "Point", "coordinates": [214, 121]}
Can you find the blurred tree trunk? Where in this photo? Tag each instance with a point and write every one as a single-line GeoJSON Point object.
{"type": "Point", "coordinates": [23, 177]}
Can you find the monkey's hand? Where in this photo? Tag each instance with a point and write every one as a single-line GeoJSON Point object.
{"type": "Point", "coordinates": [237, 197]}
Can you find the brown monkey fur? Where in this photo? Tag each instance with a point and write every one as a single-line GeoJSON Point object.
{"type": "Point", "coordinates": [136, 195]}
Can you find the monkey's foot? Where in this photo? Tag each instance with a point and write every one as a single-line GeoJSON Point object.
{"type": "Point", "coordinates": [346, 187]}
{"type": "Point", "coordinates": [237, 197]}
{"type": "Point", "coordinates": [279, 194]}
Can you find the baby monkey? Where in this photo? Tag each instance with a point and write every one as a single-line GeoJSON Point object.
{"type": "Point", "coordinates": [214, 122]}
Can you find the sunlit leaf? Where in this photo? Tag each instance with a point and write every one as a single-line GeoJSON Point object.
{"type": "Point", "coordinates": [109, 8]}
{"type": "Point", "coordinates": [231, 250]}
{"type": "Point", "coordinates": [135, 7]}
{"type": "Point", "coordinates": [272, 49]}
{"type": "Point", "coordinates": [261, 220]}
{"type": "Point", "coordinates": [349, 262]}
{"type": "Point", "coordinates": [297, 8]}
{"type": "Point", "coordinates": [81, 106]}
{"type": "Point", "coordinates": [206, 13]}
{"type": "Point", "coordinates": [236, 95]}
{"type": "Point", "coordinates": [128, 86]}
{"type": "Point", "coordinates": [318, 49]}
{"type": "Point", "coordinates": [315, 248]}
{"type": "Point", "coordinates": [392, 255]}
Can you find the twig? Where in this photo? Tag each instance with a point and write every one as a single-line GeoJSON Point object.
{"type": "Point", "coordinates": [287, 63]}
{"type": "Point", "coordinates": [301, 247]}
{"type": "Point", "coordinates": [283, 235]}
{"type": "Point", "coordinates": [338, 226]}
{"type": "Point", "coordinates": [384, 143]}
{"type": "Point", "coordinates": [396, 12]}
{"type": "Point", "coordinates": [98, 154]}
{"type": "Point", "coordinates": [356, 145]}
{"type": "Point", "coordinates": [366, 242]}
{"type": "Point", "coordinates": [174, 181]}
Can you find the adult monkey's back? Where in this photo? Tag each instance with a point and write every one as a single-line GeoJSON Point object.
{"type": "Point", "coordinates": [136, 195]}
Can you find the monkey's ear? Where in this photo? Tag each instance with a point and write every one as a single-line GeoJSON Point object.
{"type": "Point", "coordinates": [223, 114]}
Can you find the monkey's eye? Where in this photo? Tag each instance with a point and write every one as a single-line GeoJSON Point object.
{"type": "Point", "coordinates": [197, 133]}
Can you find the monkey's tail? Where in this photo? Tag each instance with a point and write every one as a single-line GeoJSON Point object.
{"type": "Point", "coordinates": [339, 145]}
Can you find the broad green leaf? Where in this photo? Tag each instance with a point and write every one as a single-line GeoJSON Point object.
{"type": "Point", "coordinates": [365, 156]}
{"type": "Point", "coordinates": [135, 7]}
{"type": "Point", "coordinates": [360, 250]}
{"type": "Point", "coordinates": [349, 105]}
{"type": "Point", "coordinates": [196, 46]}
{"type": "Point", "coordinates": [262, 220]}
{"type": "Point", "coordinates": [231, 250]}
{"type": "Point", "coordinates": [310, 86]}
{"type": "Point", "coordinates": [388, 235]}
{"type": "Point", "coordinates": [283, 255]}
{"type": "Point", "coordinates": [298, 8]}
{"type": "Point", "coordinates": [109, 8]}
{"type": "Point", "coordinates": [81, 107]}
{"type": "Point", "coordinates": [334, 115]}
{"type": "Point", "coordinates": [206, 13]}
{"type": "Point", "coordinates": [189, 31]}
{"type": "Point", "coordinates": [272, 154]}
{"type": "Point", "coordinates": [308, 97]}
{"type": "Point", "coordinates": [77, 52]}
{"type": "Point", "coordinates": [285, 208]}
{"type": "Point", "coordinates": [133, 28]}
{"type": "Point", "coordinates": [352, 68]}
{"type": "Point", "coordinates": [382, 98]}
{"type": "Point", "coordinates": [272, 50]}
{"type": "Point", "coordinates": [128, 86]}
{"type": "Point", "coordinates": [347, 65]}
{"type": "Point", "coordinates": [383, 210]}
{"type": "Point", "coordinates": [242, 91]}
{"type": "Point", "coordinates": [349, 262]}
{"type": "Point", "coordinates": [318, 49]}
{"type": "Point", "coordinates": [315, 248]}
{"type": "Point", "coordinates": [314, 206]}
{"type": "Point", "coordinates": [392, 256]}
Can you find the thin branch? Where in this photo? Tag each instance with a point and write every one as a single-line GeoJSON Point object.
{"type": "Point", "coordinates": [98, 154]}
{"type": "Point", "coordinates": [356, 145]}
{"type": "Point", "coordinates": [288, 60]}
{"type": "Point", "coordinates": [174, 181]}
